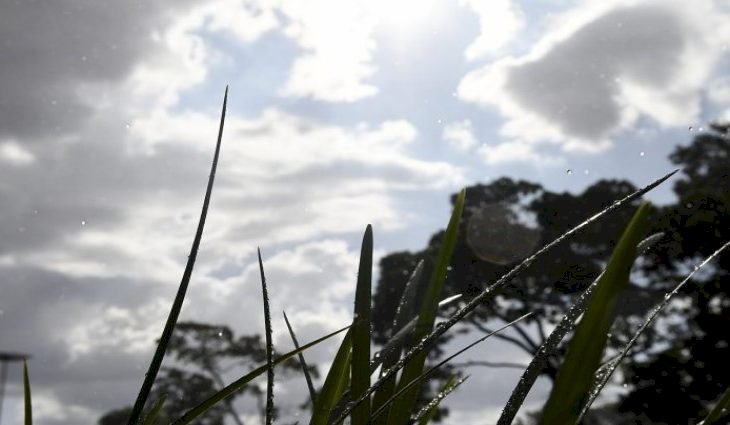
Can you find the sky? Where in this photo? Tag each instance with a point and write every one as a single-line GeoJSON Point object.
{"type": "Point", "coordinates": [340, 114]}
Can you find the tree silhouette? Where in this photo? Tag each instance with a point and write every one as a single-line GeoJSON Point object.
{"type": "Point", "coordinates": [685, 378]}
{"type": "Point", "coordinates": [516, 217]}
{"type": "Point", "coordinates": [203, 354]}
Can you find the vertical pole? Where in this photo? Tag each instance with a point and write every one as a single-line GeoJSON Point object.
{"type": "Point", "coordinates": [3, 376]}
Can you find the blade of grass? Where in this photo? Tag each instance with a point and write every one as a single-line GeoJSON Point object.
{"type": "Point", "coordinates": [721, 409]}
{"type": "Point", "coordinates": [540, 359]}
{"type": "Point", "coordinates": [501, 282]}
{"type": "Point", "coordinates": [154, 366]}
{"type": "Point", "coordinates": [574, 379]}
{"type": "Point", "coordinates": [425, 415]}
{"type": "Point", "coordinates": [389, 355]}
{"type": "Point", "coordinates": [403, 406]}
{"type": "Point", "coordinates": [152, 415]}
{"type": "Point", "coordinates": [269, 346]}
{"type": "Point", "coordinates": [233, 387]}
{"type": "Point", "coordinates": [26, 395]}
{"type": "Point", "coordinates": [302, 362]}
{"type": "Point", "coordinates": [412, 384]}
{"type": "Point", "coordinates": [401, 338]}
{"type": "Point", "coordinates": [360, 366]}
{"type": "Point", "coordinates": [335, 383]}
{"type": "Point", "coordinates": [603, 378]}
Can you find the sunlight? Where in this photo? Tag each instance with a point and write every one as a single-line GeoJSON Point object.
{"type": "Point", "coordinates": [402, 17]}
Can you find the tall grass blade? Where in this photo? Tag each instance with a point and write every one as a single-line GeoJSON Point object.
{"type": "Point", "coordinates": [501, 282]}
{"type": "Point", "coordinates": [603, 377]}
{"type": "Point", "coordinates": [269, 346]}
{"type": "Point", "coordinates": [390, 353]}
{"type": "Point", "coordinates": [302, 362]}
{"type": "Point", "coordinates": [360, 366]}
{"type": "Point", "coordinates": [413, 383]}
{"type": "Point", "coordinates": [152, 415]}
{"type": "Point", "coordinates": [404, 405]}
{"type": "Point", "coordinates": [721, 409]}
{"type": "Point", "coordinates": [26, 395]}
{"type": "Point", "coordinates": [566, 324]}
{"type": "Point", "coordinates": [233, 387]}
{"type": "Point", "coordinates": [426, 414]}
{"type": "Point", "coordinates": [402, 337]}
{"type": "Point", "coordinates": [335, 383]}
{"type": "Point", "coordinates": [574, 379]}
{"type": "Point", "coordinates": [154, 366]}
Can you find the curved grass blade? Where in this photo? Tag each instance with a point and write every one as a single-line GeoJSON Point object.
{"type": "Point", "coordinates": [566, 324]}
{"type": "Point", "coordinates": [574, 379]}
{"type": "Point", "coordinates": [152, 415]}
{"type": "Point", "coordinates": [231, 388]}
{"type": "Point", "coordinates": [335, 383]}
{"type": "Point", "coordinates": [425, 415]}
{"type": "Point", "coordinates": [389, 355]}
{"type": "Point", "coordinates": [360, 366]}
{"type": "Point", "coordinates": [409, 386]}
{"type": "Point", "coordinates": [403, 406]}
{"type": "Point", "coordinates": [501, 282]}
{"type": "Point", "coordinates": [26, 395]}
{"type": "Point", "coordinates": [613, 364]}
{"type": "Point", "coordinates": [302, 362]}
{"type": "Point", "coordinates": [399, 340]}
{"type": "Point", "coordinates": [721, 409]}
{"type": "Point", "coordinates": [154, 366]}
{"type": "Point", "coordinates": [269, 346]}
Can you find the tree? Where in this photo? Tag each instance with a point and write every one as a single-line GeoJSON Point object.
{"type": "Point", "coordinates": [519, 216]}
{"type": "Point", "coordinates": [685, 378]}
{"type": "Point", "coordinates": [203, 354]}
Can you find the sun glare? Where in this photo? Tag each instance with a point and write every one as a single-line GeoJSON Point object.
{"type": "Point", "coordinates": [402, 17]}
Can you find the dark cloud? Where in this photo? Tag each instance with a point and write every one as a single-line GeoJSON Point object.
{"type": "Point", "coordinates": [575, 84]}
{"type": "Point", "coordinates": [49, 48]}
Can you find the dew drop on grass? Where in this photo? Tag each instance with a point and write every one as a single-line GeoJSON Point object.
{"type": "Point", "coordinates": [691, 128]}
{"type": "Point", "coordinates": [569, 171]}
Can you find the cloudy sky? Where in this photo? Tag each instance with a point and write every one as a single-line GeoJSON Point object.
{"type": "Point", "coordinates": [341, 113]}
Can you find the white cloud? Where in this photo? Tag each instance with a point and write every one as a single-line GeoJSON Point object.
{"type": "Point", "coordinates": [339, 50]}
{"type": "Point", "coordinates": [499, 22]}
{"type": "Point", "coordinates": [14, 154]}
{"type": "Point", "coordinates": [515, 151]}
{"type": "Point", "coordinates": [587, 80]}
{"type": "Point", "coordinates": [460, 135]}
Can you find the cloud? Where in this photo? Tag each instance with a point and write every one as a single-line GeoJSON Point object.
{"type": "Point", "coordinates": [601, 68]}
{"type": "Point", "coordinates": [337, 38]}
{"type": "Point", "coordinates": [14, 154]}
{"type": "Point", "coordinates": [460, 135]}
{"type": "Point", "coordinates": [515, 151]}
{"type": "Point", "coordinates": [499, 22]}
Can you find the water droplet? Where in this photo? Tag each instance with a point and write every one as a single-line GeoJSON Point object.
{"type": "Point", "coordinates": [626, 385]}
{"type": "Point", "coordinates": [569, 171]}
{"type": "Point", "coordinates": [641, 153]}
{"type": "Point", "coordinates": [691, 128]}
{"type": "Point", "coordinates": [701, 129]}
{"type": "Point", "coordinates": [585, 171]}
{"type": "Point", "coordinates": [127, 125]}
{"type": "Point", "coordinates": [220, 333]}
{"type": "Point", "coordinates": [83, 222]}
{"type": "Point", "coordinates": [448, 268]}
{"type": "Point", "coordinates": [688, 205]}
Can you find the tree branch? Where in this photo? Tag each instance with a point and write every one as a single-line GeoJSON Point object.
{"type": "Point", "coordinates": [507, 338]}
{"type": "Point", "coordinates": [491, 364]}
